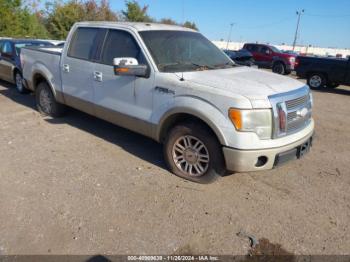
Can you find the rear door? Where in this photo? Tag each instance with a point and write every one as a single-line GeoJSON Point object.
{"type": "Point", "coordinates": [77, 68]}
{"type": "Point", "coordinates": [123, 100]}
{"type": "Point", "coordinates": [255, 51]}
{"type": "Point", "coordinates": [7, 61]}
{"type": "Point", "coordinates": [265, 56]}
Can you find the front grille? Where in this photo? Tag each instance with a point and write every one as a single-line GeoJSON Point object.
{"type": "Point", "coordinates": [296, 106]}
{"type": "Point", "coordinates": [297, 102]}
{"type": "Point", "coordinates": [295, 121]}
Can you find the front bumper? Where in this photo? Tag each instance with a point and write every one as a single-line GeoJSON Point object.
{"type": "Point", "coordinates": [289, 67]}
{"type": "Point", "coordinates": [264, 159]}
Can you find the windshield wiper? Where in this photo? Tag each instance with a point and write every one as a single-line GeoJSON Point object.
{"type": "Point", "coordinates": [202, 66]}
{"type": "Point", "coordinates": [226, 65]}
{"type": "Point", "coordinates": [199, 66]}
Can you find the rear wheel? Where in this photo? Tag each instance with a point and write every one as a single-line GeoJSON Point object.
{"type": "Point", "coordinates": [192, 152]}
{"type": "Point", "coordinates": [19, 83]}
{"type": "Point", "coordinates": [279, 68]}
{"type": "Point", "coordinates": [46, 102]}
{"type": "Point", "coordinates": [316, 81]}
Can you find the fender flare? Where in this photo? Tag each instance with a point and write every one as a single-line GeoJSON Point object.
{"type": "Point", "coordinates": [43, 72]}
{"type": "Point", "coordinates": [196, 107]}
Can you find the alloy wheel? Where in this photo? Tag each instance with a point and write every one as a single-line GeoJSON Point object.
{"type": "Point", "coordinates": [191, 156]}
{"type": "Point", "coordinates": [315, 81]}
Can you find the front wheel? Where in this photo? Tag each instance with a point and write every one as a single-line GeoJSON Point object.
{"type": "Point", "coordinates": [192, 152]}
{"type": "Point", "coordinates": [316, 81]}
{"type": "Point", "coordinates": [279, 68]}
{"type": "Point", "coordinates": [46, 102]}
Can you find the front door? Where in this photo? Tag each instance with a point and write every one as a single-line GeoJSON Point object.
{"type": "Point", "coordinates": [123, 100]}
{"type": "Point", "coordinates": [77, 69]}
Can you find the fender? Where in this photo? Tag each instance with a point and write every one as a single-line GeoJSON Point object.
{"type": "Point", "coordinates": [278, 59]}
{"type": "Point", "coordinates": [40, 69]}
{"type": "Point", "coordinates": [195, 106]}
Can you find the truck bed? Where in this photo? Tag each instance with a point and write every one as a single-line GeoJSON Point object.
{"type": "Point", "coordinates": [44, 59]}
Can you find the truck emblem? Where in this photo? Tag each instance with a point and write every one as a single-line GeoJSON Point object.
{"type": "Point", "coordinates": [302, 112]}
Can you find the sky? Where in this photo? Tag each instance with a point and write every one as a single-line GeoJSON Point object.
{"type": "Point", "coordinates": [325, 23]}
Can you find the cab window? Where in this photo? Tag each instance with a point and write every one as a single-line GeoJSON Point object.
{"type": "Point", "coordinates": [7, 48]}
{"type": "Point", "coordinates": [83, 43]}
{"type": "Point", "coordinates": [120, 43]}
{"type": "Point", "coordinates": [253, 48]}
{"type": "Point", "coordinates": [264, 49]}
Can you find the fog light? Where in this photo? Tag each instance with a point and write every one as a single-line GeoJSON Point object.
{"type": "Point", "coordinates": [262, 160]}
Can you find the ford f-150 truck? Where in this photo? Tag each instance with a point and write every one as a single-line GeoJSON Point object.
{"type": "Point", "coordinates": [268, 56]}
{"type": "Point", "coordinates": [175, 86]}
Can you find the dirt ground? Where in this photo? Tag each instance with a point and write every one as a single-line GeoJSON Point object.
{"type": "Point", "coordinates": [79, 185]}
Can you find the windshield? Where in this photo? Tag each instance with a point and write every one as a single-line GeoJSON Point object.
{"type": "Point", "coordinates": [24, 44]}
{"type": "Point", "coordinates": [180, 51]}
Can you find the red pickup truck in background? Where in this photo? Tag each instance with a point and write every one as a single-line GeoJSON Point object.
{"type": "Point", "coordinates": [268, 56]}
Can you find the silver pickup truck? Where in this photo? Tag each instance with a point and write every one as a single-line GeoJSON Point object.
{"type": "Point", "coordinates": [173, 85]}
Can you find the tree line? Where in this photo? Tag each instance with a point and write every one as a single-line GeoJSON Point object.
{"type": "Point", "coordinates": [34, 19]}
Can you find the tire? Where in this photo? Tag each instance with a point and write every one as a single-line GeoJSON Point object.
{"type": "Point", "coordinates": [279, 68]}
{"type": "Point", "coordinates": [185, 142]}
{"type": "Point", "coordinates": [19, 83]}
{"type": "Point", "coordinates": [46, 102]}
{"type": "Point", "coordinates": [251, 62]}
{"type": "Point", "coordinates": [316, 81]}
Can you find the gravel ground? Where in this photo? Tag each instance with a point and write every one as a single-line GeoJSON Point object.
{"type": "Point", "coordinates": [79, 185]}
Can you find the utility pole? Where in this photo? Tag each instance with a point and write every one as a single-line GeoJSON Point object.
{"type": "Point", "coordinates": [299, 13]}
{"type": "Point", "coordinates": [183, 11]}
{"type": "Point", "coordinates": [229, 35]}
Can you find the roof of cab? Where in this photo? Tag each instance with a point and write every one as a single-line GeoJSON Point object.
{"type": "Point", "coordinates": [136, 26]}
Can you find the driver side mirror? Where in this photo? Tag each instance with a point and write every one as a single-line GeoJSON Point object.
{"type": "Point", "coordinates": [128, 66]}
{"type": "Point", "coordinates": [267, 52]}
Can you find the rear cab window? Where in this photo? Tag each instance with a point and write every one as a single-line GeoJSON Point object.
{"type": "Point", "coordinates": [252, 48]}
{"type": "Point", "coordinates": [85, 42]}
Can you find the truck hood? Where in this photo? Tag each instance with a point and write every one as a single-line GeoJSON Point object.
{"type": "Point", "coordinates": [255, 84]}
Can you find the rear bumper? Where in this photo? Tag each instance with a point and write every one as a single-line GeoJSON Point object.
{"type": "Point", "coordinates": [264, 159]}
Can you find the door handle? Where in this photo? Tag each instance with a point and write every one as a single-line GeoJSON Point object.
{"type": "Point", "coordinates": [66, 68]}
{"type": "Point", "coordinates": [98, 76]}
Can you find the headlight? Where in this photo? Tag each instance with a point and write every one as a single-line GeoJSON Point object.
{"type": "Point", "coordinates": [292, 60]}
{"type": "Point", "coordinates": [258, 121]}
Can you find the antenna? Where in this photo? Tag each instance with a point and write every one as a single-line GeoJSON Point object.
{"type": "Point", "coordinates": [182, 76]}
